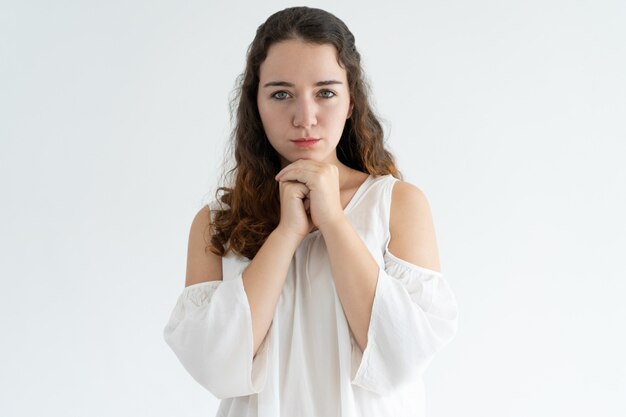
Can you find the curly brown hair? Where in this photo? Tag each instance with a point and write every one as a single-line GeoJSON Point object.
{"type": "Point", "coordinates": [253, 210]}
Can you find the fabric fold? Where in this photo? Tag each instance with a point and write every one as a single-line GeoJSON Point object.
{"type": "Point", "coordinates": [210, 331]}
{"type": "Point", "coordinates": [414, 315]}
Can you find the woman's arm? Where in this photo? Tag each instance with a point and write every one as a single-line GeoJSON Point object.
{"type": "Point", "coordinates": [219, 324]}
{"type": "Point", "coordinates": [411, 226]}
{"type": "Point", "coordinates": [202, 265]}
{"type": "Point", "coordinates": [355, 270]}
{"type": "Point", "coordinates": [401, 315]}
{"type": "Point", "coordinates": [263, 278]}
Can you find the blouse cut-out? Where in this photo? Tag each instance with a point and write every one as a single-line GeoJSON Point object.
{"type": "Point", "coordinates": [309, 363]}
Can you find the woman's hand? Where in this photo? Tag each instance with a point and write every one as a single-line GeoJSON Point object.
{"type": "Point", "coordinates": [322, 181]}
{"type": "Point", "coordinates": [294, 205]}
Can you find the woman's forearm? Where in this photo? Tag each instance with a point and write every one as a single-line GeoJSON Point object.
{"type": "Point", "coordinates": [264, 277]}
{"type": "Point", "coordinates": [355, 273]}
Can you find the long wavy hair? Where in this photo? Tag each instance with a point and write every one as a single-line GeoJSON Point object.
{"type": "Point", "coordinates": [253, 200]}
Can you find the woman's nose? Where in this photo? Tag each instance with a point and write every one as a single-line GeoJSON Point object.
{"type": "Point", "coordinates": [305, 113]}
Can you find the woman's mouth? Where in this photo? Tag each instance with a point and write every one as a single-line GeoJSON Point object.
{"type": "Point", "coordinates": [305, 142]}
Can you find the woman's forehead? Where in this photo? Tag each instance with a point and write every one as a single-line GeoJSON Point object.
{"type": "Point", "coordinates": [296, 59]}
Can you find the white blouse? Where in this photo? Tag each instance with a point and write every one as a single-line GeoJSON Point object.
{"type": "Point", "coordinates": [309, 363]}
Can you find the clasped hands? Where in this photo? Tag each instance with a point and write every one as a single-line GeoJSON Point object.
{"type": "Point", "coordinates": [316, 185]}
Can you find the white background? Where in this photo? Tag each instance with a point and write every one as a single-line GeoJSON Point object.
{"type": "Point", "coordinates": [509, 115]}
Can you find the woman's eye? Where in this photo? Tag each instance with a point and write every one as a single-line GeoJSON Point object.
{"type": "Point", "coordinates": [327, 94]}
{"type": "Point", "coordinates": [279, 95]}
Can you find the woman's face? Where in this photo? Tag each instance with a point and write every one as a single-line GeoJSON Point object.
{"type": "Point", "coordinates": [303, 93]}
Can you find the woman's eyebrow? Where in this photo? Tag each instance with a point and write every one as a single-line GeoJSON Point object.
{"type": "Point", "coordinates": [286, 84]}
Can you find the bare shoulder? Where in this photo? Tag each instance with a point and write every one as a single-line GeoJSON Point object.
{"type": "Point", "coordinates": [202, 265]}
{"type": "Point", "coordinates": [411, 226]}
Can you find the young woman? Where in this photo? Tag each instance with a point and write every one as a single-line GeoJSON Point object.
{"type": "Point", "coordinates": [313, 284]}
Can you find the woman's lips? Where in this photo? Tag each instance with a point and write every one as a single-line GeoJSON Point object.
{"type": "Point", "coordinates": [305, 142]}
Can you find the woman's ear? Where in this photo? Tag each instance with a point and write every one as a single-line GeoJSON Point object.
{"type": "Point", "coordinates": [350, 111]}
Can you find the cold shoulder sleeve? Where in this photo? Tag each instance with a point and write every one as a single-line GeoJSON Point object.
{"type": "Point", "coordinates": [414, 315]}
{"type": "Point", "coordinates": [210, 331]}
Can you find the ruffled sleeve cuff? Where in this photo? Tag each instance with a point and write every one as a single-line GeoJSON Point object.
{"type": "Point", "coordinates": [210, 331]}
{"type": "Point", "coordinates": [414, 315]}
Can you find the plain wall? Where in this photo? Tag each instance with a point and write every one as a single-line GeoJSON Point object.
{"type": "Point", "coordinates": [509, 115]}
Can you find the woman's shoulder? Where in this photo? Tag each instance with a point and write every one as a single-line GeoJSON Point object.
{"type": "Point", "coordinates": [399, 190]}
{"type": "Point", "coordinates": [406, 192]}
{"type": "Point", "coordinates": [205, 216]}
{"type": "Point", "coordinates": [411, 226]}
{"type": "Point", "coordinates": [210, 207]}
{"type": "Point", "coordinates": [408, 202]}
